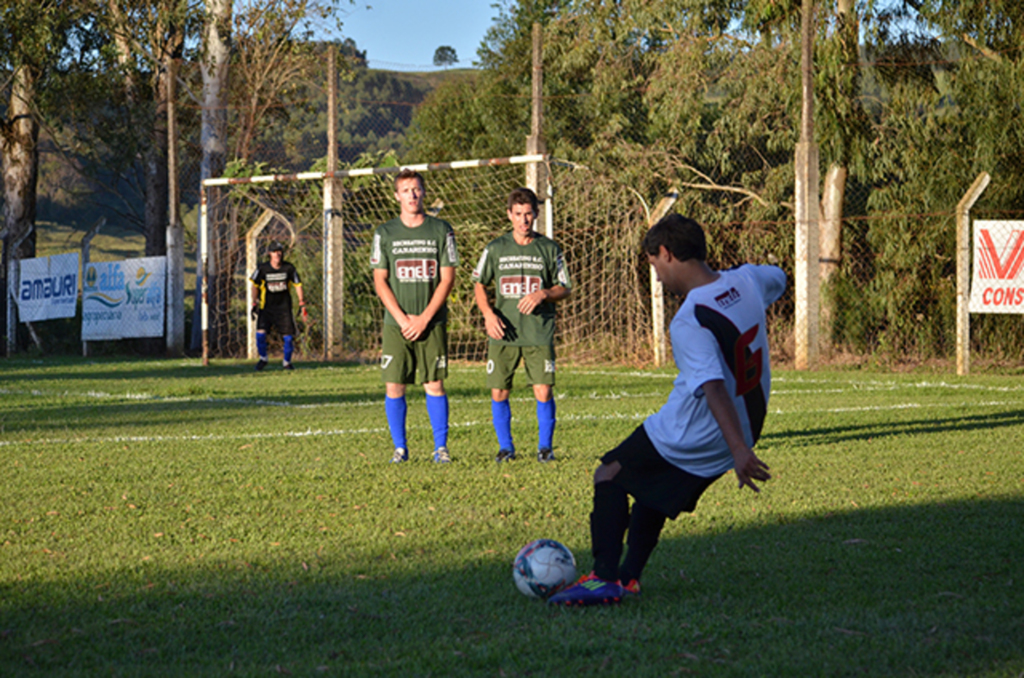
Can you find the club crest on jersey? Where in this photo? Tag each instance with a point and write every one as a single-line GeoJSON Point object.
{"type": "Point", "coordinates": [518, 285]}
{"type": "Point", "coordinates": [414, 270]}
{"type": "Point", "coordinates": [727, 298]}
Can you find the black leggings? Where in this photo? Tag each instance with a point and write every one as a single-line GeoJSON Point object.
{"type": "Point", "coordinates": [608, 525]}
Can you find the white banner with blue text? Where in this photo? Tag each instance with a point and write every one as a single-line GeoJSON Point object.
{"type": "Point", "coordinates": [123, 299]}
{"type": "Point", "coordinates": [48, 287]}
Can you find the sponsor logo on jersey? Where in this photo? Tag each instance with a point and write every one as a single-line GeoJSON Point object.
{"type": "Point", "coordinates": [727, 298]}
{"type": "Point", "coordinates": [415, 270]}
{"type": "Point", "coordinates": [512, 286]}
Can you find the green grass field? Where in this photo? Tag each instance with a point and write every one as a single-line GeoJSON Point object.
{"type": "Point", "coordinates": [161, 518]}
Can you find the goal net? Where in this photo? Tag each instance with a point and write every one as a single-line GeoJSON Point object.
{"type": "Point", "coordinates": [597, 222]}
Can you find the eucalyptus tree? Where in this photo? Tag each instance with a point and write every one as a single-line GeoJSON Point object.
{"type": "Point", "coordinates": [37, 40]}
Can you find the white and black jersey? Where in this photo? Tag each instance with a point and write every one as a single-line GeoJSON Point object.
{"type": "Point", "coordinates": [718, 333]}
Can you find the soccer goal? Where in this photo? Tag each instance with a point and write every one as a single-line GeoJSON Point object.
{"type": "Point", "coordinates": [327, 222]}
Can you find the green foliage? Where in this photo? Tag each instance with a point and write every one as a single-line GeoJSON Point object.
{"type": "Point", "coordinates": [445, 56]}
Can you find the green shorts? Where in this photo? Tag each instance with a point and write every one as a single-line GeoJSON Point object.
{"type": "Point", "coordinates": [414, 362]}
{"type": "Point", "coordinates": [503, 359]}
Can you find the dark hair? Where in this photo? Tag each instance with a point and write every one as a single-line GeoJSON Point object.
{"type": "Point", "coordinates": [276, 246]}
{"type": "Point", "coordinates": [410, 174]}
{"type": "Point", "coordinates": [523, 196]}
{"type": "Point", "coordinates": [681, 236]}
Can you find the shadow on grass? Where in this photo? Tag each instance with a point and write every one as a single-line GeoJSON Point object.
{"type": "Point", "coordinates": [888, 429]}
{"type": "Point", "coordinates": [929, 590]}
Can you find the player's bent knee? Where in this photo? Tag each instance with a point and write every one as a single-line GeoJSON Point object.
{"type": "Point", "coordinates": [606, 472]}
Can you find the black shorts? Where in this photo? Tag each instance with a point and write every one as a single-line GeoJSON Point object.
{"type": "Point", "coordinates": [651, 480]}
{"type": "Point", "coordinates": [281, 318]}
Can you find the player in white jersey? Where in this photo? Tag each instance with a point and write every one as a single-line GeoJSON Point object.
{"type": "Point", "coordinates": [710, 423]}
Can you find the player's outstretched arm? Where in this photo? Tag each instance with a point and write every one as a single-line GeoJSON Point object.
{"type": "Point", "coordinates": [747, 465]}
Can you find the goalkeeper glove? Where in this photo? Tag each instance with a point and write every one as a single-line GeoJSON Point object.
{"type": "Point", "coordinates": [255, 311]}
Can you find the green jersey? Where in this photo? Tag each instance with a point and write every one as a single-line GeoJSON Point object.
{"type": "Point", "coordinates": [518, 270]}
{"type": "Point", "coordinates": [413, 258]}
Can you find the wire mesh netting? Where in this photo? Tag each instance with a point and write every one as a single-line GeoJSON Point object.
{"type": "Point", "coordinates": [605, 318]}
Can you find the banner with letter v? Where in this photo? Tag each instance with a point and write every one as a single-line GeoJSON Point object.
{"type": "Point", "coordinates": [997, 281]}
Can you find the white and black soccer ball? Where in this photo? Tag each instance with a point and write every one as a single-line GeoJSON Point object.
{"type": "Point", "coordinates": [543, 567]}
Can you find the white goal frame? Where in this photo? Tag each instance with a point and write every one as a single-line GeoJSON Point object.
{"type": "Point", "coordinates": [328, 213]}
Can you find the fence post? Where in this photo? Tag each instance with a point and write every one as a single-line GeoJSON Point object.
{"type": "Point", "coordinates": [658, 337]}
{"type": "Point", "coordinates": [963, 272]}
{"type": "Point", "coordinates": [334, 228]}
{"type": "Point", "coordinates": [536, 173]}
{"type": "Point", "coordinates": [807, 283]}
{"type": "Point", "coordinates": [175, 281]}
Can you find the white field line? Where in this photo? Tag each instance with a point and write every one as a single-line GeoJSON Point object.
{"type": "Point", "coordinates": [616, 416]}
{"type": "Point", "coordinates": [308, 433]}
{"type": "Point", "coordinates": [259, 402]}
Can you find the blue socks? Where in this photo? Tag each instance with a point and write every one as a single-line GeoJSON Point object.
{"type": "Point", "coordinates": [289, 346]}
{"type": "Point", "coordinates": [545, 424]}
{"type": "Point", "coordinates": [501, 413]}
{"type": "Point", "coordinates": [261, 345]}
{"type": "Point", "coordinates": [437, 410]}
{"type": "Point", "coordinates": [395, 409]}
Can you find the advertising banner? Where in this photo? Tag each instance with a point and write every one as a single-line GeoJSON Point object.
{"type": "Point", "coordinates": [997, 282]}
{"type": "Point", "coordinates": [122, 299]}
{"type": "Point", "coordinates": [48, 287]}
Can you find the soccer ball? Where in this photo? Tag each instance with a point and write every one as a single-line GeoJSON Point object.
{"type": "Point", "coordinates": [542, 568]}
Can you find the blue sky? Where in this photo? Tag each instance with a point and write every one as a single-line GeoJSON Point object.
{"type": "Point", "coordinates": [403, 34]}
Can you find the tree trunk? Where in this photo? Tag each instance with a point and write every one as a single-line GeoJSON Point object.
{"type": "Point", "coordinates": [213, 139]}
{"type": "Point", "coordinates": [155, 161]}
{"type": "Point", "coordinates": [833, 195]}
{"type": "Point", "coordinates": [18, 147]}
{"type": "Point", "coordinates": [19, 155]}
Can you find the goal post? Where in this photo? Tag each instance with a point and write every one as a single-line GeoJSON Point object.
{"type": "Point", "coordinates": [233, 203]}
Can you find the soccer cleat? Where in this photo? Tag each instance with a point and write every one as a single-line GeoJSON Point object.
{"type": "Point", "coordinates": [631, 589]}
{"type": "Point", "coordinates": [505, 455]}
{"type": "Point", "coordinates": [545, 455]}
{"type": "Point", "coordinates": [260, 365]}
{"type": "Point", "coordinates": [441, 456]}
{"type": "Point", "coordinates": [401, 454]}
{"type": "Point", "coordinates": [589, 590]}
{"type": "Point", "coordinates": [288, 366]}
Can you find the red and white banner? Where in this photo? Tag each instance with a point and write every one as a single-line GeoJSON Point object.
{"type": "Point", "coordinates": [997, 283]}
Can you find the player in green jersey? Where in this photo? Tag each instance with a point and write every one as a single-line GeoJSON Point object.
{"type": "Point", "coordinates": [413, 262]}
{"type": "Point", "coordinates": [529, 276]}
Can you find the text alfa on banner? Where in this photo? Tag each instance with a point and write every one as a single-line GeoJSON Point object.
{"type": "Point", "coordinates": [997, 284]}
{"type": "Point", "coordinates": [123, 299]}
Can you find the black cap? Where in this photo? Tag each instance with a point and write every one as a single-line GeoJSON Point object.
{"type": "Point", "coordinates": [276, 246]}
